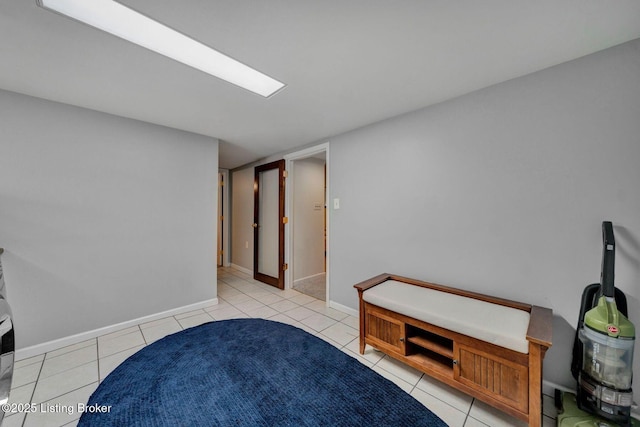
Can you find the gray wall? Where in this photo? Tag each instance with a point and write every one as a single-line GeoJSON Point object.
{"type": "Point", "coordinates": [502, 191]}
{"type": "Point", "coordinates": [103, 219]}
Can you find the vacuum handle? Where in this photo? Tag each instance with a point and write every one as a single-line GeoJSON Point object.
{"type": "Point", "coordinates": [608, 259]}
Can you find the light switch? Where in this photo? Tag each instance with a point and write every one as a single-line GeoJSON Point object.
{"type": "Point", "coordinates": [336, 203]}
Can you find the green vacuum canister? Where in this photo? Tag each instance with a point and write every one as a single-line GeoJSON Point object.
{"type": "Point", "coordinates": [608, 339]}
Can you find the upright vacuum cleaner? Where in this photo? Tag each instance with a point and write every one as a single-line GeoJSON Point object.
{"type": "Point", "coordinates": [602, 353]}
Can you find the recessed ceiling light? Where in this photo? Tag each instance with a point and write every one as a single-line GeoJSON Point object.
{"type": "Point", "coordinates": [121, 21]}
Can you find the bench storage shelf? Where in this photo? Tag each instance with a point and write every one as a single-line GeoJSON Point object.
{"type": "Point", "coordinates": [502, 369]}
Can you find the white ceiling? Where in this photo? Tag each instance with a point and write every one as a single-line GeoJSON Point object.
{"type": "Point", "coordinates": [346, 63]}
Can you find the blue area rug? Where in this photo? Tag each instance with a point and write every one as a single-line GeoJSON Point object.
{"type": "Point", "coordinates": [250, 372]}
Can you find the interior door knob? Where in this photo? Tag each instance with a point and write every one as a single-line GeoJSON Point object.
{"type": "Point", "coordinates": [254, 225]}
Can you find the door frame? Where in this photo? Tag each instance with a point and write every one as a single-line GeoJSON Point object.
{"type": "Point", "coordinates": [278, 282]}
{"type": "Point", "coordinates": [226, 215]}
{"type": "Point", "coordinates": [290, 159]}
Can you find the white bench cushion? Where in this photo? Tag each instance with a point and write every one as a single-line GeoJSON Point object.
{"type": "Point", "coordinates": [493, 323]}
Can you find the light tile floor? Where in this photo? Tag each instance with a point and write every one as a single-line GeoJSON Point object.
{"type": "Point", "coordinates": [65, 377]}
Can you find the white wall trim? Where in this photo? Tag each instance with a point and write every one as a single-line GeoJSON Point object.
{"type": "Point", "coordinates": [343, 308]}
{"type": "Point", "coordinates": [34, 350]}
{"type": "Point", "coordinates": [288, 199]}
{"type": "Point", "coordinates": [308, 152]}
{"type": "Point", "coordinates": [226, 230]}
{"type": "Point", "coordinates": [308, 277]}
{"type": "Point", "coordinates": [549, 387]}
{"type": "Point", "coordinates": [240, 268]}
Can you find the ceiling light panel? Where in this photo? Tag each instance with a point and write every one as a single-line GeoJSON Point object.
{"type": "Point", "coordinates": [119, 20]}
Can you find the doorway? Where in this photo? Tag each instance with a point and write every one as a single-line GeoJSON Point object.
{"type": "Point", "coordinates": [307, 234]}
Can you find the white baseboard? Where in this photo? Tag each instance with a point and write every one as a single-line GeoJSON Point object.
{"type": "Point", "coordinates": [343, 308]}
{"type": "Point", "coordinates": [308, 277]}
{"type": "Point", "coordinates": [25, 353]}
{"type": "Point", "coordinates": [549, 387]}
{"type": "Point", "coordinates": [240, 268]}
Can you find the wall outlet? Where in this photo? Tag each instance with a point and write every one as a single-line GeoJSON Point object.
{"type": "Point", "coordinates": [246, 244]}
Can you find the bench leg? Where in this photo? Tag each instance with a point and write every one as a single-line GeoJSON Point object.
{"type": "Point", "coordinates": [535, 385]}
{"type": "Point", "coordinates": [361, 314]}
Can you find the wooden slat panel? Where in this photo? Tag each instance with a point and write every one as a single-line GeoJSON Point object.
{"type": "Point", "coordinates": [504, 381]}
{"type": "Point", "coordinates": [496, 376]}
{"type": "Point", "coordinates": [384, 330]}
{"type": "Point", "coordinates": [477, 369]}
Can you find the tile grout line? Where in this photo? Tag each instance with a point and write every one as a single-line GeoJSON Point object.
{"type": "Point", "coordinates": [416, 384]}
{"type": "Point", "coordinates": [24, 420]}
{"type": "Point", "coordinates": [143, 337]}
{"type": "Point", "coordinates": [467, 415]}
{"type": "Point", "coordinates": [98, 359]}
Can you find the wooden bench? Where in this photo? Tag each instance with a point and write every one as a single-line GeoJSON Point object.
{"type": "Point", "coordinates": [487, 347]}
